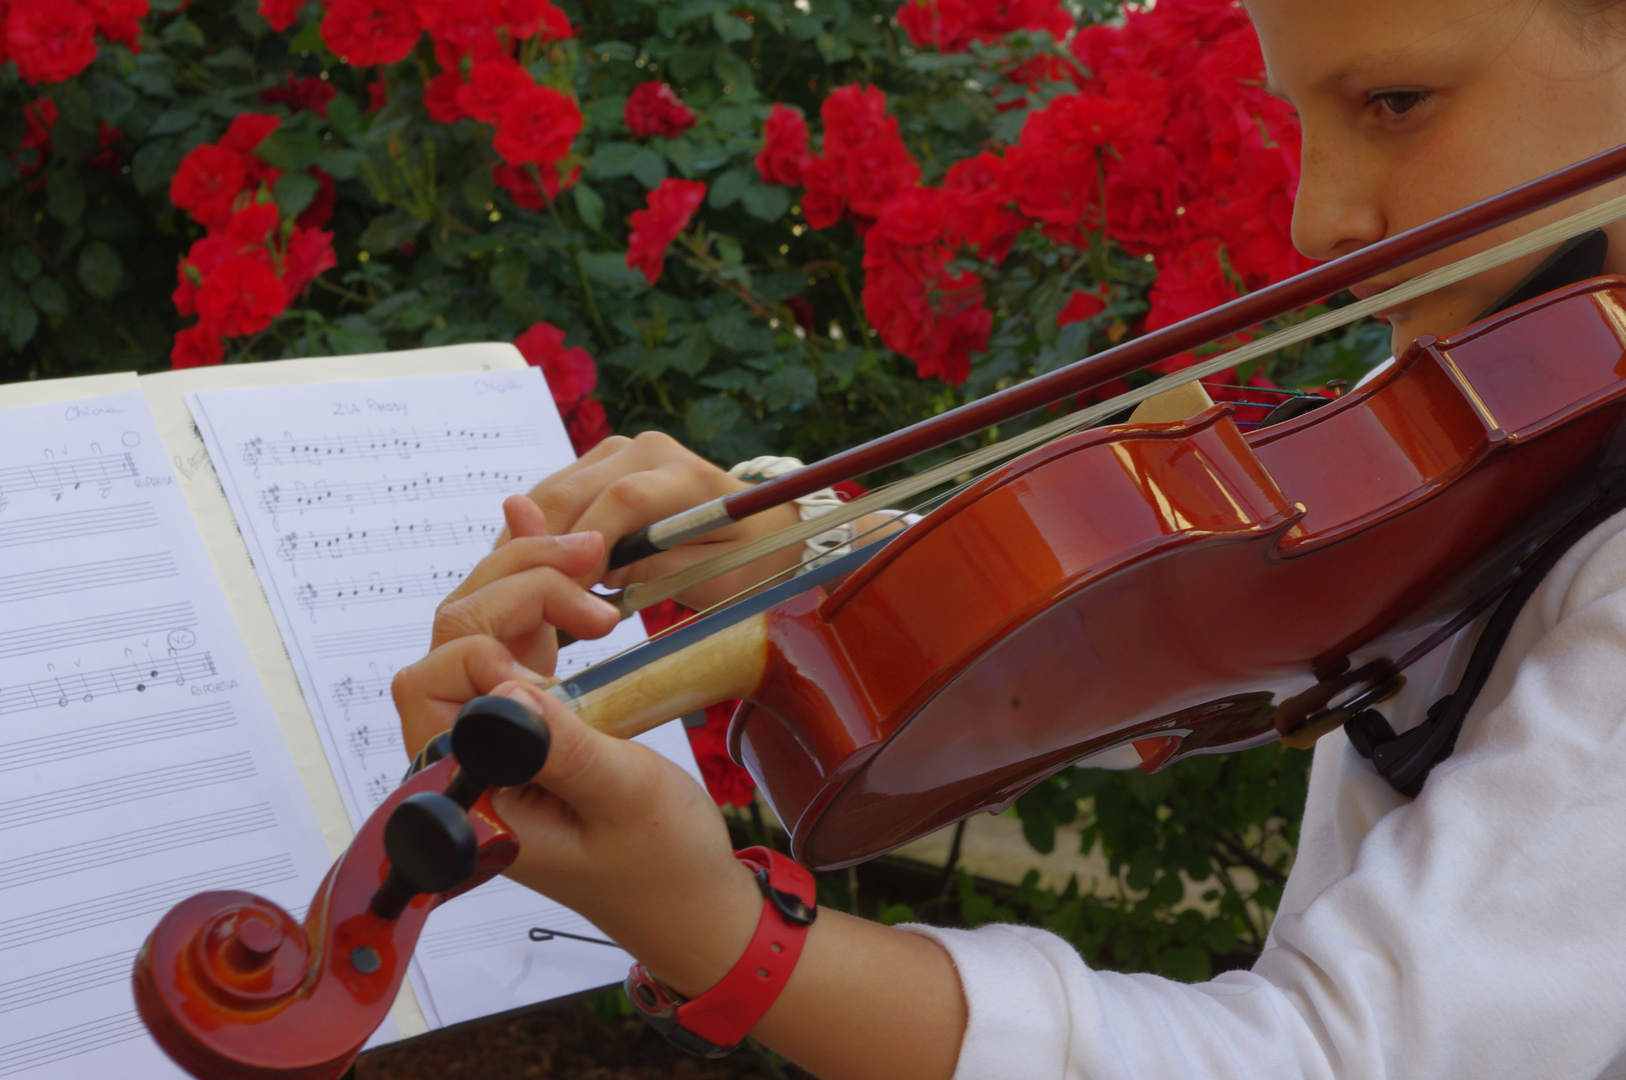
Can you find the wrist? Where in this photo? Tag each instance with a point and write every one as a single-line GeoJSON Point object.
{"type": "Point", "coordinates": [707, 932]}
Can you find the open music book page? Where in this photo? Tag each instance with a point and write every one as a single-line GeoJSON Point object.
{"type": "Point", "coordinates": [363, 504]}
{"type": "Point", "coordinates": [141, 762]}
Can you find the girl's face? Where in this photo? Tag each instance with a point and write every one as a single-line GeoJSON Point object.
{"type": "Point", "coordinates": [1414, 108]}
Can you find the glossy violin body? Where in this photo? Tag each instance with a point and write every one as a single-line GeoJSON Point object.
{"type": "Point", "coordinates": [1175, 585]}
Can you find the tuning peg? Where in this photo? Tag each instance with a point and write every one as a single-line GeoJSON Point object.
{"type": "Point", "coordinates": [497, 743]}
{"type": "Point", "coordinates": [431, 848]}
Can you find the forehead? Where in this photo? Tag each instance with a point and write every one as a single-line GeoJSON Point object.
{"type": "Point", "coordinates": [1331, 45]}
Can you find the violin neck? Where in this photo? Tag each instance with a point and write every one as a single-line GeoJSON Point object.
{"type": "Point", "coordinates": [723, 666]}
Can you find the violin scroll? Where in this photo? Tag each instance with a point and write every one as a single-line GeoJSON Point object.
{"type": "Point", "coordinates": [234, 988]}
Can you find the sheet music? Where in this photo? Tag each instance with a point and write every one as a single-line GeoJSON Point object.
{"type": "Point", "coordinates": [364, 504]}
{"type": "Point", "coordinates": [140, 762]}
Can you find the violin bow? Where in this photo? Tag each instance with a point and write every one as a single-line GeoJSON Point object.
{"type": "Point", "coordinates": [1131, 356]}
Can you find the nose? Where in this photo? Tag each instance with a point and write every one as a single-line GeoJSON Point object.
{"type": "Point", "coordinates": [1336, 210]}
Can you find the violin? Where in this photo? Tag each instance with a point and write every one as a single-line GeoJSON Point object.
{"type": "Point", "coordinates": [1064, 604]}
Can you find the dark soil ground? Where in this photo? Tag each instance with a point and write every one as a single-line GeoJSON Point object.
{"type": "Point", "coordinates": [562, 1041]}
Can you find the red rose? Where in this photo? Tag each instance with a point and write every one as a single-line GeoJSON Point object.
{"type": "Point", "coordinates": [312, 94]}
{"type": "Point", "coordinates": [801, 309]}
{"type": "Point", "coordinates": [196, 347]}
{"type": "Point", "coordinates": [653, 109]}
{"type": "Point", "coordinates": [375, 96]}
{"type": "Point", "coordinates": [784, 146]}
{"type": "Point", "coordinates": [50, 40]}
{"type": "Point", "coordinates": [440, 98]}
{"type": "Point", "coordinates": [492, 87]}
{"type": "Point", "coordinates": [367, 32]}
{"type": "Point", "coordinates": [914, 217]}
{"type": "Point", "coordinates": [251, 225]}
{"type": "Point", "coordinates": [670, 207]}
{"type": "Point", "coordinates": [1142, 201]}
{"type": "Point", "coordinates": [281, 14]}
{"type": "Point", "coordinates": [523, 188]}
{"type": "Point", "coordinates": [206, 253]}
{"type": "Point", "coordinates": [538, 125]}
{"type": "Point", "coordinates": [38, 117]}
{"type": "Point", "coordinates": [587, 425]}
{"type": "Point", "coordinates": [207, 183]}
{"type": "Point", "coordinates": [248, 130]}
{"type": "Point", "coordinates": [310, 251]}
{"type": "Point", "coordinates": [726, 782]}
{"type": "Point", "coordinates": [825, 200]}
{"type": "Point", "coordinates": [978, 213]}
{"type": "Point", "coordinates": [241, 296]}
{"type": "Point", "coordinates": [464, 28]}
{"type": "Point", "coordinates": [1082, 305]}
{"type": "Point", "coordinates": [940, 24]}
{"type": "Point", "coordinates": [116, 19]}
{"type": "Point", "coordinates": [920, 310]}
{"type": "Point", "coordinates": [570, 373]}
{"type": "Point", "coordinates": [527, 18]}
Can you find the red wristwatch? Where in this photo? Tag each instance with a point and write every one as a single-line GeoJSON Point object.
{"type": "Point", "coordinates": [715, 1023]}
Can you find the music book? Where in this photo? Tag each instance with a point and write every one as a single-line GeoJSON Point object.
{"type": "Point", "coordinates": [207, 581]}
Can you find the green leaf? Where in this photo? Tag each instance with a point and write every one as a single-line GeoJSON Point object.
{"type": "Point", "coordinates": [478, 190]}
{"type": "Point", "coordinates": [183, 31]}
{"type": "Point", "coordinates": [509, 273]}
{"type": "Point", "coordinates": [153, 165]}
{"type": "Point", "coordinates": [229, 59]}
{"type": "Point", "coordinates": [648, 167]}
{"type": "Point", "coordinates": [789, 388]}
{"type": "Point", "coordinates": [23, 263]}
{"type": "Point", "coordinates": [49, 296]}
{"type": "Point", "coordinates": [766, 202]}
{"type": "Point", "coordinates": [727, 188]}
{"type": "Point", "coordinates": [735, 330]}
{"type": "Point", "coordinates": [613, 159]}
{"type": "Point", "coordinates": [65, 196]}
{"type": "Point", "coordinates": [735, 72]}
{"type": "Point", "coordinates": [777, 288]}
{"type": "Point", "coordinates": [17, 318]}
{"type": "Point", "coordinates": [76, 109]}
{"type": "Point", "coordinates": [109, 97]}
{"type": "Point", "coordinates": [609, 268]}
{"type": "Point", "coordinates": [668, 20]}
{"type": "Point", "coordinates": [833, 49]}
{"type": "Point", "coordinates": [389, 231]}
{"type": "Point", "coordinates": [734, 118]}
{"type": "Point", "coordinates": [614, 50]}
{"type": "Point", "coordinates": [710, 417]}
{"type": "Point", "coordinates": [290, 147]}
{"type": "Point", "coordinates": [308, 40]}
{"type": "Point", "coordinates": [345, 116]}
{"type": "Point", "coordinates": [294, 191]}
{"type": "Point", "coordinates": [589, 205]}
{"type": "Point", "coordinates": [893, 914]}
{"type": "Point", "coordinates": [353, 334]}
{"type": "Point", "coordinates": [340, 164]}
{"type": "Point", "coordinates": [952, 115]}
{"type": "Point", "coordinates": [180, 118]}
{"type": "Point", "coordinates": [730, 28]}
{"type": "Point", "coordinates": [687, 63]}
{"type": "Point", "coordinates": [101, 271]}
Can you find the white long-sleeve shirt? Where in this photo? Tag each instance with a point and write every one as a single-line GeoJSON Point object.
{"type": "Point", "coordinates": [1478, 931]}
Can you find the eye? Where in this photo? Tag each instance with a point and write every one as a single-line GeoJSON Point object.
{"type": "Point", "coordinates": [1396, 103]}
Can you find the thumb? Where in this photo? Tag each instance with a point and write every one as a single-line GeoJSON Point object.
{"type": "Point", "coordinates": [524, 517]}
{"type": "Point", "coordinates": [599, 775]}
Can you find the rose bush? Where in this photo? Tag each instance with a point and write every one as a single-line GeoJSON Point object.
{"type": "Point", "coordinates": [765, 226]}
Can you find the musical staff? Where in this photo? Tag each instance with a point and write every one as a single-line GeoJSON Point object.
{"type": "Point", "coordinates": [369, 541]}
{"type": "Point", "coordinates": [384, 639]}
{"type": "Point", "coordinates": [59, 580]}
{"type": "Point", "coordinates": [369, 739]}
{"type": "Point", "coordinates": [379, 786]}
{"type": "Point", "coordinates": [70, 1042]}
{"type": "Point", "coordinates": [122, 790]}
{"type": "Point", "coordinates": [323, 448]}
{"type": "Point", "coordinates": [67, 474]}
{"type": "Point", "coordinates": [300, 498]}
{"type": "Point", "coordinates": [141, 731]}
{"type": "Point", "coordinates": [63, 981]}
{"type": "Point", "coordinates": [378, 588]}
{"type": "Point", "coordinates": [135, 844]}
{"type": "Point", "coordinates": [79, 632]}
{"type": "Point", "coordinates": [136, 677]}
{"type": "Point", "coordinates": [55, 528]}
{"type": "Point", "coordinates": [349, 693]}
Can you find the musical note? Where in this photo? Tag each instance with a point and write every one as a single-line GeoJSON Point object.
{"type": "Point", "coordinates": [377, 588]}
{"type": "Point", "coordinates": [136, 677]}
{"type": "Point", "coordinates": [317, 450]}
{"type": "Point", "coordinates": [80, 632]}
{"type": "Point", "coordinates": [368, 740]}
{"type": "Point", "coordinates": [299, 497]}
{"type": "Point", "coordinates": [361, 540]}
{"type": "Point", "coordinates": [379, 786]}
{"type": "Point", "coordinates": [348, 693]}
{"type": "Point", "coordinates": [67, 475]}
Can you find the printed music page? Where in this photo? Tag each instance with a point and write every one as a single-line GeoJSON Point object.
{"type": "Point", "coordinates": [141, 763]}
{"type": "Point", "coordinates": [363, 504]}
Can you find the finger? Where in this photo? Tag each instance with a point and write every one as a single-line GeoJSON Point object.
{"type": "Point", "coordinates": [574, 555]}
{"type": "Point", "coordinates": [524, 603]}
{"type": "Point", "coordinates": [563, 495]}
{"type": "Point", "coordinates": [522, 517]}
{"type": "Point", "coordinates": [429, 693]}
{"type": "Point", "coordinates": [597, 774]}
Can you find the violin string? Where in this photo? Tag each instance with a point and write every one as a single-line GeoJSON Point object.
{"type": "Point", "coordinates": [641, 595]}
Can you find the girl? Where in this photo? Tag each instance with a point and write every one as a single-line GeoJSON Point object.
{"type": "Point", "coordinates": [1472, 931]}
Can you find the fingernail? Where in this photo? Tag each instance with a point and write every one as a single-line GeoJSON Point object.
{"type": "Point", "coordinates": [576, 539]}
{"type": "Point", "coordinates": [607, 607]}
